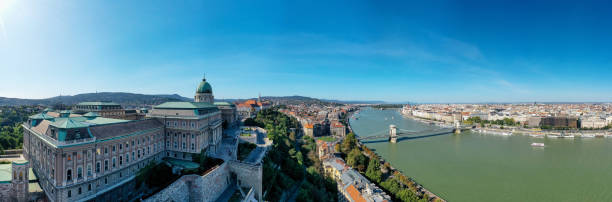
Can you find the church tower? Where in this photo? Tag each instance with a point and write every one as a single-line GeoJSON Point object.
{"type": "Point", "coordinates": [204, 92]}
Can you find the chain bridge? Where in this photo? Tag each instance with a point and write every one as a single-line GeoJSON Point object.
{"type": "Point", "coordinates": [395, 133]}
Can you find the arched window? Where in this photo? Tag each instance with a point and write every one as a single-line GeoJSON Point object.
{"type": "Point", "coordinates": [20, 175]}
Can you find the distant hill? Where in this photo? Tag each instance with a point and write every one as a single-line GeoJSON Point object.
{"type": "Point", "coordinates": [356, 101]}
{"type": "Point", "coordinates": [125, 99]}
{"type": "Point", "coordinates": [297, 99]}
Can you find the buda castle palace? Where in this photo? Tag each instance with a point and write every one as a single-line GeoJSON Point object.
{"type": "Point", "coordinates": [90, 153]}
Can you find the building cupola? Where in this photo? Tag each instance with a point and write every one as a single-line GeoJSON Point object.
{"type": "Point", "coordinates": [204, 92]}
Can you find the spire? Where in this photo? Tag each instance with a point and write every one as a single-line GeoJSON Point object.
{"type": "Point", "coordinates": [204, 77]}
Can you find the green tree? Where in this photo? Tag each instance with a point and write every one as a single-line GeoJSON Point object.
{"type": "Point", "coordinates": [349, 143]}
{"type": "Point", "coordinates": [373, 171]}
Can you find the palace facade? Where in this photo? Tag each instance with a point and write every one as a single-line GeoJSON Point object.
{"type": "Point", "coordinates": [91, 157]}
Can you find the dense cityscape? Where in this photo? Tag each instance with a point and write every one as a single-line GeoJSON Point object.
{"type": "Point", "coordinates": [305, 101]}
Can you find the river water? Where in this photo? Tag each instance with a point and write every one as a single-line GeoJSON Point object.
{"type": "Point", "coordinates": [481, 167]}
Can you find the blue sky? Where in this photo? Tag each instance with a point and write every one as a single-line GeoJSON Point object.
{"type": "Point", "coordinates": [421, 51]}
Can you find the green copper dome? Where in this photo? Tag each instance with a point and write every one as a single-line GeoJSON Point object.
{"type": "Point", "coordinates": [204, 87]}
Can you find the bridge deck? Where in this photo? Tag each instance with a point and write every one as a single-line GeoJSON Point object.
{"type": "Point", "coordinates": [406, 134]}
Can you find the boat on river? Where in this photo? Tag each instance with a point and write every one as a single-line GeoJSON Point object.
{"type": "Point", "coordinates": [587, 136]}
{"type": "Point", "coordinates": [537, 144]}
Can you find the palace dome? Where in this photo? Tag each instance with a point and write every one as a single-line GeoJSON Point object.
{"type": "Point", "coordinates": [204, 87]}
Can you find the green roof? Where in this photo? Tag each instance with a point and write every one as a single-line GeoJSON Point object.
{"type": "Point", "coordinates": [102, 120]}
{"type": "Point", "coordinates": [20, 162]}
{"type": "Point", "coordinates": [204, 87]}
{"type": "Point", "coordinates": [224, 104]}
{"type": "Point", "coordinates": [185, 105]}
{"type": "Point", "coordinates": [98, 103]}
{"type": "Point", "coordinates": [68, 123]}
{"type": "Point", "coordinates": [91, 114]}
{"type": "Point", "coordinates": [5, 173]}
{"type": "Point", "coordinates": [42, 116]}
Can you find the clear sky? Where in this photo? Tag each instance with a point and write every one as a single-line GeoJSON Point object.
{"type": "Point", "coordinates": [422, 51]}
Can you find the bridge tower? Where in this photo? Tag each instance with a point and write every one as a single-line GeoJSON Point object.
{"type": "Point", "coordinates": [457, 129]}
{"type": "Point", "coordinates": [392, 133]}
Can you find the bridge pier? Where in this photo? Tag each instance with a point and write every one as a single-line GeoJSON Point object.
{"type": "Point", "coordinates": [457, 129]}
{"type": "Point", "coordinates": [392, 134]}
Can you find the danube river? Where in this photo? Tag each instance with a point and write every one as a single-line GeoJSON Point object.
{"type": "Point", "coordinates": [480, 167]}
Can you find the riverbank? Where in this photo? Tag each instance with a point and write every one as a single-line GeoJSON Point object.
{"type": "Point", "coordinates": [419, 189]}
{"type": "Point", "coordinates": [512, 130]}
{"type": "Point", "coordinates": [478, 167]}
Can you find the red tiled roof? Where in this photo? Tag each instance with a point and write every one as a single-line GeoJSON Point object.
{"type": "Point", "coordinates": [354, 194]}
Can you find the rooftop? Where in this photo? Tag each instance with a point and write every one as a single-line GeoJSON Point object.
{"type": "Point", "coordinates": [99, 103]}
{"type": "Point", "coordinates": [185, 105]}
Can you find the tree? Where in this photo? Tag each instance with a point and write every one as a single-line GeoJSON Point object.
{"type": "Point", "coordinates": [373, 171]}
{"type": "Point", "coordinates": [356, 159]}
{"type": "Point", "coordinates": [349, 142]}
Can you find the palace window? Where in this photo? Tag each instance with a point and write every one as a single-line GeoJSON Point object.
{"type": "Point", "coordinates": [120, 160]}
{"type": "Point", "coordinates": [88, 169]}
{"type": "Point", "coordinates": [138, 153]}
{"type": "Point", "coordinates": [79, 190]}
{"type": "Point", "coordinates": [79, 173]}
{"type": "Point", "coordinates": [113, 148]}
{"type": "Point", "coordinates": [127, 158]}
{"type": "Point", "coordinates": [89, 187]}
{"type": "Point", "coordinates": [69, 193]}
{"type": "Point", "coordinates": [105, 150]}
{"type": "Point", "coordinates": [69, 175]}
{"type": "Point", "coordinates": [106, 165]}
{"type": "Point", "coordinates": [184, 145]}
{"type": "Point", "coordinates": [120, 146]}
{"type": "Point", "coordinates": [192, 146]}
{"type": "Point", "coordinates": [175, 144]}
{"type": "Point", "coordinates": [114, 160]}
{"type": "Point", "coordinates": [98, 167]}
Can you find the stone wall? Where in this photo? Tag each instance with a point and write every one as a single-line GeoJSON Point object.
{"type": "Point", "coordinates": [174, 192]}
{"type": "Point", "coordinates": [196, 188]}
{"type": "Point", "coordinates": [249, 175]}
{"type": "Point", "coordinates": [5, 192]}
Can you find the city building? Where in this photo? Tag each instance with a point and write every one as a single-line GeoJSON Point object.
{"type": "Point", "coordinates": [338, 129]}
{"type": "Point", "coordinates": [556, 122]}
{"type": "Point", "coordinates": [309, 130]}
{"type": "Point", "coordinates": [228, 113]}
{"type": "Point", "coordinates": [91, 157]}
{"type": "Point", "coordinates": [594, 122]}
{"type": "Point", "coordinates": [104, 109]}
